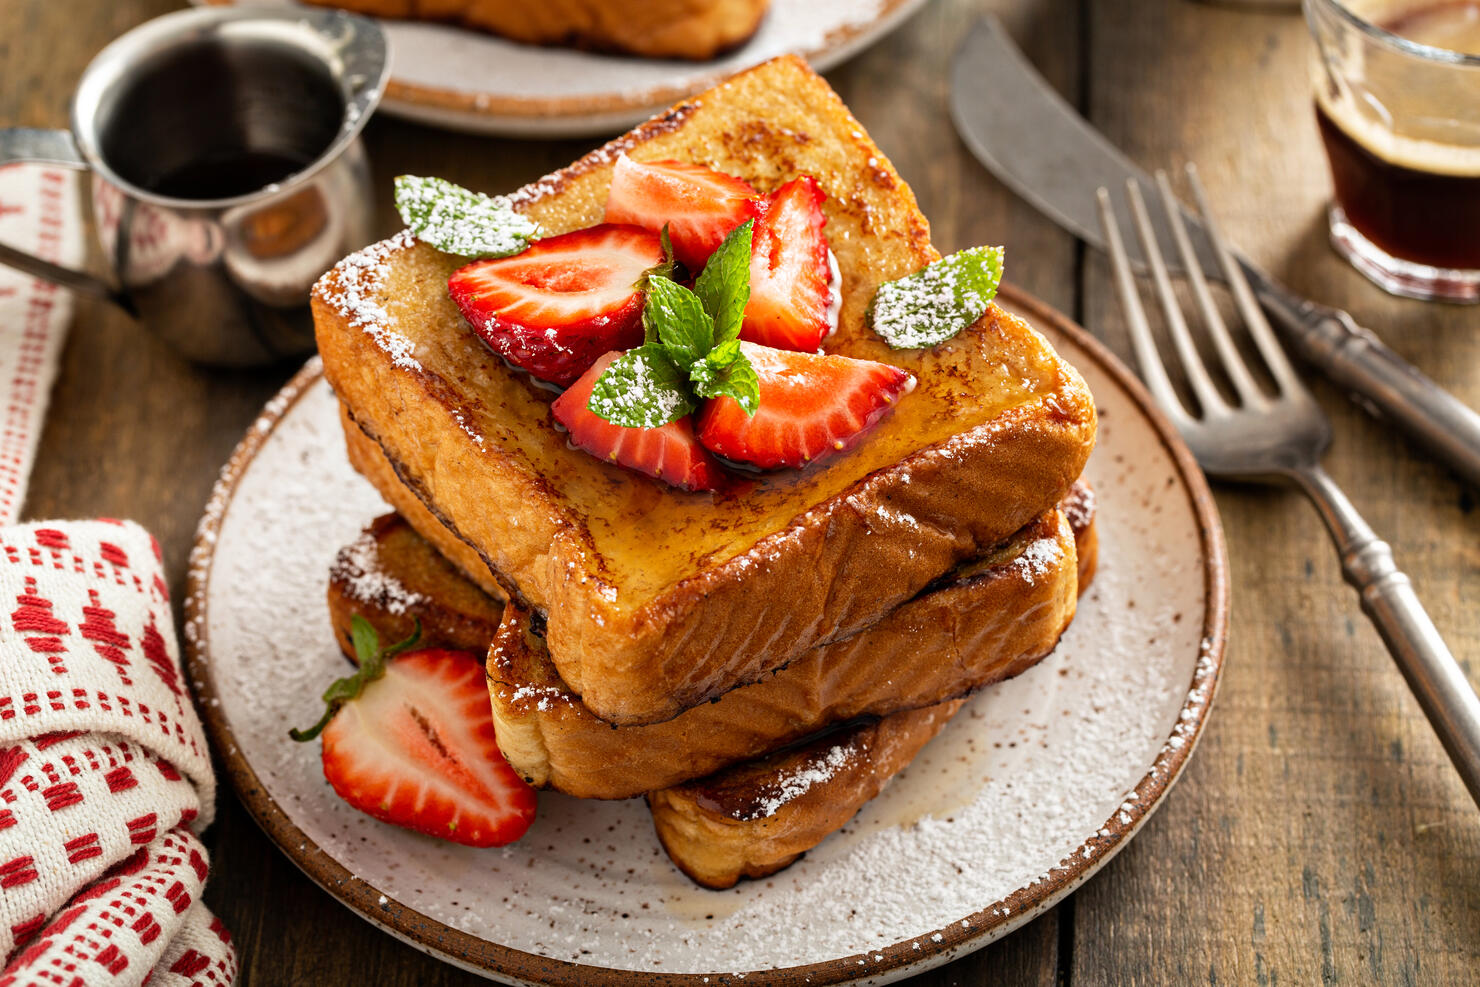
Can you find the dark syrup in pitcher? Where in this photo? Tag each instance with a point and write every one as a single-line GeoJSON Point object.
{"type": "Point", "coordinates": [226, 174]}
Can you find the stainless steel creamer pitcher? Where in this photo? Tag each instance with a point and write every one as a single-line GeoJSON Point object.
{"type": "Point", "coordinates": [226, 171]}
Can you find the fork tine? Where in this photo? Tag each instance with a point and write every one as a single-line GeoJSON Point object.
{"type": "Point", "coordinates": [1248, 307]}
{"type": "Point", "coordinates": [1233, 362]}
{"type": "Point", "coordinates": [1153, 371]}
{"type": "Point", "coordinates": [1197, 374]}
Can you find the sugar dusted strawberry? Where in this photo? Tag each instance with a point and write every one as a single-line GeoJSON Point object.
{"type": "Point", "coordinates": [789, 293]}
{"type": "Point", "coordinates": [556, 307]}
{"type": "Point", "coordinates": [409, 739]}
{"type": "Point", "coordinates": [811, 406]}
{"type": "Point", "coordinates": [699, 205]}
{"type": "Point", "coordinates": [669, 452]}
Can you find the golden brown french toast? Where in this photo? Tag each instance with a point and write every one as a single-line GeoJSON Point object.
{"type": "Point", "coordinates": [994, 618]}
{"type": "Point", "coordinates": [655, 599]}
{"type": "Point", "coordinates": [693, 29]}
{"type": "Point", "coordinates": [394, 579]}
{"type": "Point", "coordinates": [754, 818]}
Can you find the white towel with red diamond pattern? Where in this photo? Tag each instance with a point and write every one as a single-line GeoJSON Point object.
{"type": "Point", "coordinates": [40, 213]}
{"type": "Point", "coordinates": [105, 778]}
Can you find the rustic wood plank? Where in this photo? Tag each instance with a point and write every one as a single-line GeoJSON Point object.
{"type": "Point", "coordinates": [1320, 832]}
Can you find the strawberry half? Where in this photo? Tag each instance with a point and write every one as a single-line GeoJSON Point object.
{"type": "Point", "coordinates": [699, 205]}
{"type": "Point", "coordinates": [811, 406]}
{"type": "Point", "coordinates": [670, 452]}
{"type": "Point", "coordinates": [555, 308]}
{"type": "Point", "coordinates": [789, 292]}
{"type": "Point", "coordinates": [417, 749]}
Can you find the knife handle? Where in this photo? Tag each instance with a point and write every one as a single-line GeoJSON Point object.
{"type": "Point", "coordinates": [1379, 380]}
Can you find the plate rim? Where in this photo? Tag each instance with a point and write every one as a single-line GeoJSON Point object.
{"type": "Point", "coordinates": [502, 112]}
{"type": "Point", "coordinates": [907, 956]}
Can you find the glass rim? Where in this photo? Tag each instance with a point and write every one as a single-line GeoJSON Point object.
{"type": "Point", "coordinates": [1397, 41]}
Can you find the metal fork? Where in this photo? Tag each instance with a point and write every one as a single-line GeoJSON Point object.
{"type": "Point", "coordinates": [1282, 438]}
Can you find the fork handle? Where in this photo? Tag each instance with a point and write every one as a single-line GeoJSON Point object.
{"type": "Point", "coordinates": [1435, 678]}
{"type": "Point", "coordinates": [1378, 379]}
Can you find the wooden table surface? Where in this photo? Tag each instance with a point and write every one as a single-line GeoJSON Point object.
{"type": "Point", "coordinates": [1319, 835]}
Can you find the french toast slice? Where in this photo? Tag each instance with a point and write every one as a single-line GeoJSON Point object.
{"type": "Point", "coordinates": [691, 29]}
{"type": "Point", "coordinates": [752, 819]}
{"type": "Point", "coordinates": [393, 578]}
{"type": "Point", "coordinates": [993, 618]}
{"type": "Point", "coordinates": [655, 599]}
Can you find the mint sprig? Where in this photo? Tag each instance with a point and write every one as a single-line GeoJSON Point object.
{"type": "Point", "coordinates": [459, 221]}
{"type": "Point", "coordinates": [692, 348]}
{"type": "Point", "coordinates": [372, 661]}
{"type": "Point", "coordinates": [939, 300]}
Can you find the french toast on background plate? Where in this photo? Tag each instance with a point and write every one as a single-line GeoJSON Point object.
{"type": "Point", "coordinates": [693, 29]}
{"type": "Point", "coordinates": [747, 820]}
{"type": "Point", "coordinates": [655, 599]}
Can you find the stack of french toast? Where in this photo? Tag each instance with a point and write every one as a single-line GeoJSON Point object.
{"type": "Point", "coordinates": [758, 656]}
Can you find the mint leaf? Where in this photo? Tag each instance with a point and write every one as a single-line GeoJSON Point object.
{"type": "Point", "coordinates": [643, 388]}
{"type": "Point", "coordinates": [724, 353]}
{"type": "Point", "coordinates": [724, 285]}
{"type": "Point", "coordinates": [939, 300]}
{"type": "Point", "coordinates": [733, 378]}
{"type": "Point", "coordinates": [678, 318]}
{"type": "Point", "coordinates": [458, 221]}
{"type": "Point", "coordinates": [371, 657]}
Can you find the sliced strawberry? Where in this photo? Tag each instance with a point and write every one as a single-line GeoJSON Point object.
{"type": "Point", "coordinates": [789, 292]}
{"type": "Point", "coordinates": [555, 308]}
{"type": "Point", "coordinates": [699, 205]}
{"type": "Point", "coordinates": [669, 452]}
{"type": "Point", "coordinates": [811, 405]}
{"type": "Point", "coordinates": [417, 749]}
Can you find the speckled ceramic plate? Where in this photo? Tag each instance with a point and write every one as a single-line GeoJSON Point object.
{"type": "Point", "coordinates": [468, 80]}
{"type": "Point", "coordinates": [1028, 791]}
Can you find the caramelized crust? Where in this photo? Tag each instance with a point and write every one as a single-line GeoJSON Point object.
{"type": "Point", "coordinates": [657, 600]}
{"type": "Point", "coordinates": [755, 818]}
{"type": "Point", "coordinates": [986, 623]}
{"type": "Point", "coordinates": [693, 29]}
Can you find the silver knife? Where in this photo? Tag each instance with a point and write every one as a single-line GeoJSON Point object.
{"type": "Point", "coordinates": [1038, 146]}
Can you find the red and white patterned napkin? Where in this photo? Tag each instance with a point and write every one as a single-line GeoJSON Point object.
{"type": "Point", "coordinates": [105, 778]}
{"type": "Point", "coordinates": [40, 213]}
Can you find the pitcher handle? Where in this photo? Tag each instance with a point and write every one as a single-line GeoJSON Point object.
{"type": "Point", "coordinates": [28, 144]}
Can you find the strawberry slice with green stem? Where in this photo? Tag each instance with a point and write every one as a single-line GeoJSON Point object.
{"type": "Point", "coordinates": [409, 739]}
{"type": "Point", "coordinates": [556, 307]}
{"type": "Point", "coordinates": [789, 290]}
{"type": "Point", "coordinates": [668, 452]}
{"type": "Point", "coordinates": [812, 405]}
{"type": "Point", "coordinates": [699, 205]}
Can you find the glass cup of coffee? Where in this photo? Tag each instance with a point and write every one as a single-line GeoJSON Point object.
{"type": "Point", "coordinates": [226, 171]}
{"type": "Point", "coordinates": [1398, 105]}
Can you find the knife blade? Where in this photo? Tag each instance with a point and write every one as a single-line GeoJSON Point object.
{"type": "Point", "coordinates": [1026, 134]}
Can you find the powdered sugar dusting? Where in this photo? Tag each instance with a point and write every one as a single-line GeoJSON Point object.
{"type": "Point", "coordinates": [357, 568]}
{"type": "Point", "coordinates": [1024, 792]}
{"type": "Point", "coordinates": [356, 290]}
{"type": "Point", "coordinates": [790, 787]}
{"type": "Point", "coordinates": [1041, 556]}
